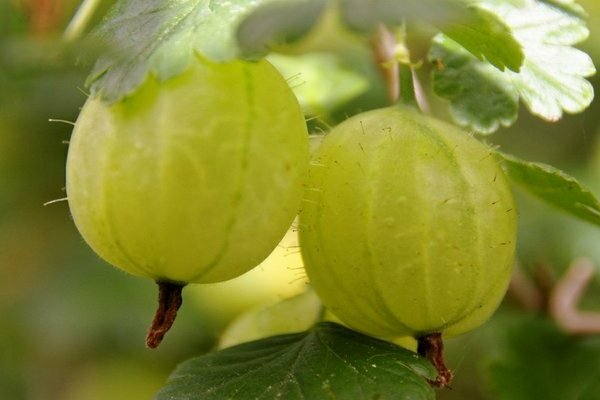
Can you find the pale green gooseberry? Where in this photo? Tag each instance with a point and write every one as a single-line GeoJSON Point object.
{"type": "Point", "coordinates": [408, 225]}
{"type": "Point", "coordinates": [194, 179]}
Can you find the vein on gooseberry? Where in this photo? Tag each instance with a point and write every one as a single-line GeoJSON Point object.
{"type": "Point", "coordinates": [375, 188]}
{"type": "Point", "coordinates": [341, 290]}
{"type": "Point", "coordinates": [109, 217]}
{"type": "Point", "coordinates": [474, 270]}
{"type": "Point", "coordinates": [238, 196]}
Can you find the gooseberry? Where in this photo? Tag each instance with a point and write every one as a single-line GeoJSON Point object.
{"type": "Point", "coordinates": [408, 225]}
{"type": "Point", "coordinates": [192, 179]}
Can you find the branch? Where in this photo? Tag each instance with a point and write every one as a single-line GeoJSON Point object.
{"type": "Point", "coordinates": [525, 291]}
{"type": "Point", "coordinates": [565, 298]}
{"type": "Point", "coordinates": [81, 19]}
{"type": "Point", "coordinates": [384, 49]}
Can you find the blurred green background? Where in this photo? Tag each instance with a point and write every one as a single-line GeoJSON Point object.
{"type": "Point", "coordinates": [73, 328]}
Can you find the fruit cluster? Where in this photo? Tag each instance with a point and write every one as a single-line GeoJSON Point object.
{"type": "Point", "coordinates": [408, 223]}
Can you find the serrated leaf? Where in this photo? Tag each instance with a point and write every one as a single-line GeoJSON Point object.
{"type": "Point", "coordinates": [481, 96]}
{"type": "Point", "coordinates": [551, 80]}
{"type": "Point", "coordinates": [161, 37]}
{"type": "Point", "coordinates": [537, 361]}
{"type": "Point", "coordinates": [552, 77]}
{"type": "Point", "coordinates": [320, 81]}
{"type": "Point", "coordinates": [553, 186]}
{"type": "Point", "coordinates": [327, 362]}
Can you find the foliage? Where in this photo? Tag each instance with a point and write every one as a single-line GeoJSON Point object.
{"type": "Point", "coordinates": [550, 79]}
{"type": "Point", "coordinates": [536, 360]}
{"type": "Point", "coordinates": [328, 361]}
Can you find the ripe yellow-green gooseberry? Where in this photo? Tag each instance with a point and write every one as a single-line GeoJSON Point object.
{"type": "Point", "coordinates": [281, 275]}
{"type": "Point", "coordinates": [408, 225]}
{"type": "Point", "coordinates": [192, 179]}
{"type": "Point", "coordinates": [291, 315]}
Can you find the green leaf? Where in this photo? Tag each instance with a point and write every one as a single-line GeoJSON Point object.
{"type": "Point", "coordinates": [321, 81]}
{"type": "Point", "coordinates": [479, 31]}
{"type": "Point", "coordinates": [365, 15]}
{"type": "Point", "coordinates": [161, 37]}
{"type": "Point", "coordinates": [537, 361]}
{"type": "Point", "coordinates": [551, 79]}
{"type": "Point", "coordinates": [554, 187]}
{"type": "Point", "coordinates": [550, 82]}
{"type": "Point", "coordinates": [487, 38]}
{"type": "Point", "coordinates": [278, 23]}
{"type": "Point", "coordinates": [570, 6]}
{"type": "Point", "coordinates": [327, 362]}
{"type": "Point", "coordinates": [480, 95]}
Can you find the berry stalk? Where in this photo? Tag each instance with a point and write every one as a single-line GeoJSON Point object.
{"type": "Point", "coordinates": [169, 301]}
{"type": "Point", "coordinates": [432, 347]}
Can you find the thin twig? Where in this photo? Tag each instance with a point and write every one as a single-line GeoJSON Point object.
{"type": "Point", "coordinates": [565, 297]}
{"type": "Point", "coordinates": [81, 20]}
{"type": "Point", "coordinates": [524, 290]}
{"type": "Point", "coordinates": [384, 49]}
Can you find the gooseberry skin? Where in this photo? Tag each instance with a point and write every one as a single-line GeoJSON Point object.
{"type": "Point", "coordinates": [408, 225]}
{"type": "Point", "coordinates": [194, 179]}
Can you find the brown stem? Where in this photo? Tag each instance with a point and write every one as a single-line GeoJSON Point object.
{"type": "Point", "coordinates": [432, 347]}
{"type": "Point", "coordinates": [545, 279]}
{"type": "Point", "coordinates": [384, 47]}
{"type": "Point", "coordinates": [169, 301]}
{"type": "Point", "coordinates": [565, 298]}
{"type": "Point", "coordinates": [525, 291]}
